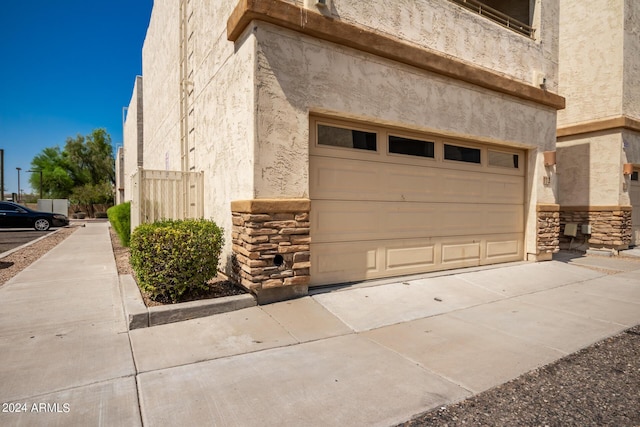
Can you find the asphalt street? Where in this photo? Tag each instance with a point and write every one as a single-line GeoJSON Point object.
{"type": "Point", "coordinates": [13, 237]}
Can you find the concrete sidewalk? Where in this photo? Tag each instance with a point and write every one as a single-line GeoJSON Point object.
{"type": "Point", "coordinates": [373, 355]}
{"type": "Point", "coordinates": [63, 339]}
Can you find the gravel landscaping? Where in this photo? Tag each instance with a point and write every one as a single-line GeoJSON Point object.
{"type": "Point", "coordinates": [597, 386]}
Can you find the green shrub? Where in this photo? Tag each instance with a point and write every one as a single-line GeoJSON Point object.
{"type": "Point", "coordinates": [120, 219]}
{"type": "Point", "coordinates": [173, 256]}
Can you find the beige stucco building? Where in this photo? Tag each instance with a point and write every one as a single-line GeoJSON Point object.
{"type": "Point", "coordinates": [345, 141]}
{"type": "Point", "coordinates": [120, 175]}
{"type": "Point", "coordinates": [598, 150]}
{"type": "Point", "coordinates": [133, 135]}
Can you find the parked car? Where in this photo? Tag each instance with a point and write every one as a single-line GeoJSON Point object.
{"type": "Point", "coordinates": [13, 215]}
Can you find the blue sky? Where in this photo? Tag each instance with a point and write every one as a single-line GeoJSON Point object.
{"type": "Point", "coordinates": [68, 67]}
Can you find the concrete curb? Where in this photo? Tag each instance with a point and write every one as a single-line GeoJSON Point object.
{"type": "Point", "coordinates": [135, 310]}
{"type": "Point", "coordinates": [10, 251]}
{"type": "Point", "coordinates": [139, 316]}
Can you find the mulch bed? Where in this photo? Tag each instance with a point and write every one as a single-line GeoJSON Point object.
{"type": "Point", "coordinates": [216, 288]}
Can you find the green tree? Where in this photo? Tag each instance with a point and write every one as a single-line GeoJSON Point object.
{"type": "Point", "coordinates": [88, 195]}
{"type": "Point", "coordinates": [57, 183]}
{"type": "Point", "coordinates": [91, 158]}
{"type": "Point", "coordinates": [83, 171]}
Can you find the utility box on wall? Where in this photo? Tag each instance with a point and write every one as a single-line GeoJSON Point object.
{"type": "Point", "coordinates": [45, 205]}
{"type": "Point", "coordinates": [571, 230]}
{"type": "Point", "coordinates": [59, 206]}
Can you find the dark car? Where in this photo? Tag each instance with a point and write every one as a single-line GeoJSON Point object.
{"type": "Point", "coordinates": [13, 215]}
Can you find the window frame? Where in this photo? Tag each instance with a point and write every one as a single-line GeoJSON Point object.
{"type": "Point", "coordinates": [383, 155]}
{"type": "Point", "coordinates": [489, 165]}
{"type": "Point", "coordinates": [406, 135]}
{"type": "Point", "coordinates": [351, 129]}
{"type": "Point", "coordinates": [462, 145]}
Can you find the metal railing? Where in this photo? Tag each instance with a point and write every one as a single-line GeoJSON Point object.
{"type": "Point", "coordinates": [497, 16]}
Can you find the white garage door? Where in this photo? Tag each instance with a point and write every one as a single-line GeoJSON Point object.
{"type": "Point", "coordinates": [387, 203]}
{"type": "Point", "coordinates": [635, 206]}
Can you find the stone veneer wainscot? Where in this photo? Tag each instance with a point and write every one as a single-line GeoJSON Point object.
{"type": "Point", "coordinates": [271, 252]}
{"type": "Point", "coordinates": [548, 230]}
{"type": "Point", "coordinates": [610, 225]}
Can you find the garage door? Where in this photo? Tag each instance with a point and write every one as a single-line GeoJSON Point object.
{"type": "Point", "coordinates": [387, 202]}
{"type": "Point", "coordinates": [635, 206]}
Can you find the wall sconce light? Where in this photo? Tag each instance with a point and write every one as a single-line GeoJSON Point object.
{"type": "Point", "coordinates": [549, 158]}
{"type": "Point", "coordinates": [627, 169]}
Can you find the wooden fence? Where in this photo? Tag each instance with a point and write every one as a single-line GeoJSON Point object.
{"type": "Point", "coordinates": [158, 195]}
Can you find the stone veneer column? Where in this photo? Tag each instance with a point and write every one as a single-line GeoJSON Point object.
{"type": "Point", "coordinates": [610, 225]}
{"type": "Point", "coordinates": [548, 231]}
{"type": "Point", "coordinates": [271, 253]}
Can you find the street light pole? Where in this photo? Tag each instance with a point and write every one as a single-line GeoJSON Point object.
{"type": "Point", "coordinates": [40, 172]}
{"type": "Point", "coordinates": [18, 169]}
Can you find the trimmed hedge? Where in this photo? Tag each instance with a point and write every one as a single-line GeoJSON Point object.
{"type": "Point", "coordinates": [172, 257]}
{"type": "Point", "coordinates": [120, 219]}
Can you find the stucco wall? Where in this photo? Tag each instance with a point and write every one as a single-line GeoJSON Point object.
{"type": "Point", "coordinates": [220, 104]}
{"type": "Point", "coordinates": [223, 111]}
{"type": "Point", "coordinates": [591, 171]}
{"type": "Point", "coordinates": [631, 141]}
{"type": "Point", "coordinates": [119, 167]}
{"type": "Point", "coordinates": [600, 78]}
{"type": "Point", "coordinates": [631, 88]}
{"type": "Point", "coordinates": [299, 74]}
{"type": "Point", "coordinates": [161, 102]}
{"type": "Point", "coordinates": [591, 59]}
{"type": "Point", "coordinates": [449, 28]}
{"type": "Point", "coordinates": [133, 137]}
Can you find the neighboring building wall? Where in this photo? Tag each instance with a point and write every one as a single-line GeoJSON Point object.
{"type": "Point", "coordinates": [133, 134]}
{"type": "Point", "coordinates": [631, 52]}
{"type": "Point", "coordinates": [591, 173]}
{"type": "Point", "coordinates": [599, 130]}
{"type": "Point", "coordinates": [631, 87]}
{"type": "Point", "coordinates": [631, 144]}
{"type": "Point", "coordinates": [591, 60]}
{"type": "Point", "coordinates": [161, 103]}
{"type": "Point", "coordinates": [120, 176]}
